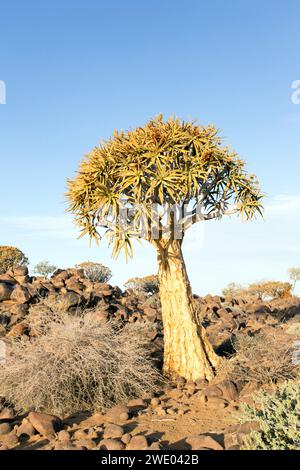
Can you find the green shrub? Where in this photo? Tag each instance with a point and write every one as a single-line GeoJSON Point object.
{"type": "Point", "coordinates": [278, 415]}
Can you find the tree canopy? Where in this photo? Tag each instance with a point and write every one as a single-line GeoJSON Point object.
{"type": "Point", "coordinates": [11, 256]}
{"type": "Point", "coordinates": [169, 162]}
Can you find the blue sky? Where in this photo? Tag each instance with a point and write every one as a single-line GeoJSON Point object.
{"type": "Point", "coordinates": [76, 70]}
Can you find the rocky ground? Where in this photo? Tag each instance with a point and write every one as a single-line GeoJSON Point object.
{"type": "Point", "coordinates": [183, 415]}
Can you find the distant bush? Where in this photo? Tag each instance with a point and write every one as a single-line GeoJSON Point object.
{"type": "Point", "coordinates": [271, 290]}
{"type": "Point", "coordinates": [44, 268]}
{"type": "Point", "coordinates": [261, 359]}
{"type": "Point", "coordinates": [77, 363]}
{"type": "Point", "coordinates": [262, 291]}
{"type": "Point", "coordinates": [11, 256]}
{"type": "Point", "coordinates": [147, 284]}
{"type": "Point", "coordinates": [278, 415]}
{"type": "Point", "coordinates": [233, 290]}
{"type": "Point", "coordinates": [95, 272]}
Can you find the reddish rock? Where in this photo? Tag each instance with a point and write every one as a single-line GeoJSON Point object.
{"type": "Point", "coordinates": [45, 423]}
{"type": "Point", "coordinates": [138, 443]}
{"type": "Point", "coordinates": [5, 291]}
{"type": "Point", "coordinates": [113, 431]}
{"type": "Point", "coordinates": [111, 444]}
{"type": "Point", "coordinates": [203, 441]}
{"type": "Point", "coordinates": [20, 294]}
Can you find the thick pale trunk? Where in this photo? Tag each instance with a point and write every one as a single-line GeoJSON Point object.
{"type": "Point", "coordinates": [187, 351]}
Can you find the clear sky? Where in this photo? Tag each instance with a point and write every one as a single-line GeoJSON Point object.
{"type": "Point", "coordinates": [76, 70]}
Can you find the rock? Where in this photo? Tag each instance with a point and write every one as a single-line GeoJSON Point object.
{"type": "Point", "coordinates": [7, 414]}
{"type": "Point", "coordinates": [230, 440]}
{"type": "Point", "coordinates": [203, 441]}
{"type": "Point", "coordinates": [63, 436]}
{"type": "Point", "coordinates": [65, 445]}
{"type": "Point", "coordinates": [113, 431]}
{"type": "Point", "coordinates": [229, 390]}
{"type": "Point", "coordinates": [246, 428]}
{"type": "Point", "coordinates": [17, 330]}
{"type": "Point", "coordinates": [82, 434]}
{"type": "Point", "coordinates": [19, 271]}
{"type": "Point", "coordinates": [70, 299]}
{"type": "Point", "coordinates": [126, 438]}
{"type": "Point", "coordinates": [136, 404]}
{"type": "Point", "coordinates": [216, 402]}
{"type": "Point", "coordinates": [154, 446]}
{"type": "Point", "coordinates": [138, 442]}
{"type": "Point", "coordinates": [114, 414]}
{"type": "Point", "coordinates": [5, 291]}
{"type": "Point", "coordinates": [213, 391]}
{"type": "Point", "coordinates": [155, 402]}
{"type": "Point", "coordinates": [25, 429]}
{"type": "Point", "coordinates": [7, 278]}
{"type": "Point", "coordinates": [111, 444]}
{"type": "Point", "coordinates": [5, 428]}
{"type": "Point", "coordinates": [45, 423]}
{"type": "Point", "coordinates": [98, 419]}
{"type": "Point", "coordinates": [20, 294]}
{"type": "Point", "coordinates": [86, 444]}
{"type": "Point", "coordinates": [10, 439]}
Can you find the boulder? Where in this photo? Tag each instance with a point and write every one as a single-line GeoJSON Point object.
{"type": "Point", "coordinates": [111, 444]}
{"type": "Point", "coordinates": [229, 390]}
{"type": "Point", "coordinates": [203, 441]}
{"type": "Point", "coordinates": [114, 414]}
{"type": "Point", "coordinates": [138, 442]}
{"type": "Point", "coordinates": [25, 429]}
{"type": "Point", "coordinates": [113, 431]}
{"type": "Point", "coordinates": [70, 299]}
{"type": "Point", "coordinates": [20, 294]}
{"type": "Point", "coordinates": [5, 428]}
{"type": "Point", "coordinates": [6, 290]}
{"type": "Point", "coordinates": [45, 423]}
{"type": "Point", "coordinates": [7, 414]}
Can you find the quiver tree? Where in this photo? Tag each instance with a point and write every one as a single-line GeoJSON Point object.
{"type": "Point", "coordinates": [10, 256]}
{"type": "Point", "coordinates": [154, 183]}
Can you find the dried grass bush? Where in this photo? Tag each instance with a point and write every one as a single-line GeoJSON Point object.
{"type": "Point", "coordinates": [261, 359]}
{"type": "Point", "coordinates": [76, 364]}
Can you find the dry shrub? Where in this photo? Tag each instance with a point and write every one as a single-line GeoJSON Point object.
{"type": "Point", "coordinates": [261, 359]}
{"type": "Point", "coordinates": [147, 284]}
{"type": "Point", "coordinates": [77, 364]}
{"type": "Point", "coordinates": [95, 272]}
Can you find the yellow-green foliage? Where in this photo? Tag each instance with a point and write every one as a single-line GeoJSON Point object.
{"type": "Point", "coordinates": [147, 284]}
{"type": "Point", "coordinates": [95, 272]}
{"type": "Point", "coordinates": [278, 415]}
{"type": "Point", "coordinates": [271, 289]}
{"type": "Point", "coordinates": [172, 162]}
{"type": "Point", "coordinates": [11, 256]}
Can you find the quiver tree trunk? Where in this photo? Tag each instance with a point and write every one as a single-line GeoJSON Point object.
{"type": "Point", "coordinates": [187, 351]}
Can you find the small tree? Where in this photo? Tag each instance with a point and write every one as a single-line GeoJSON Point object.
{"type": "Point", "coordinates": [11, 256]}
{"type": "Point", "coordinates": [95, 272]}
{"type": "Point", "coordinates": [233, 290]}
{"type": "Point", "coordinates": [154, 183]}
{"type": "Point", "coordinates": [294, 276]}
{"type": "Point", "coordinates": [44, 268]}
{"type": "Point", "coordinates": [271, 290]}
{"type": "Point", "coordinates": [147, 284]}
